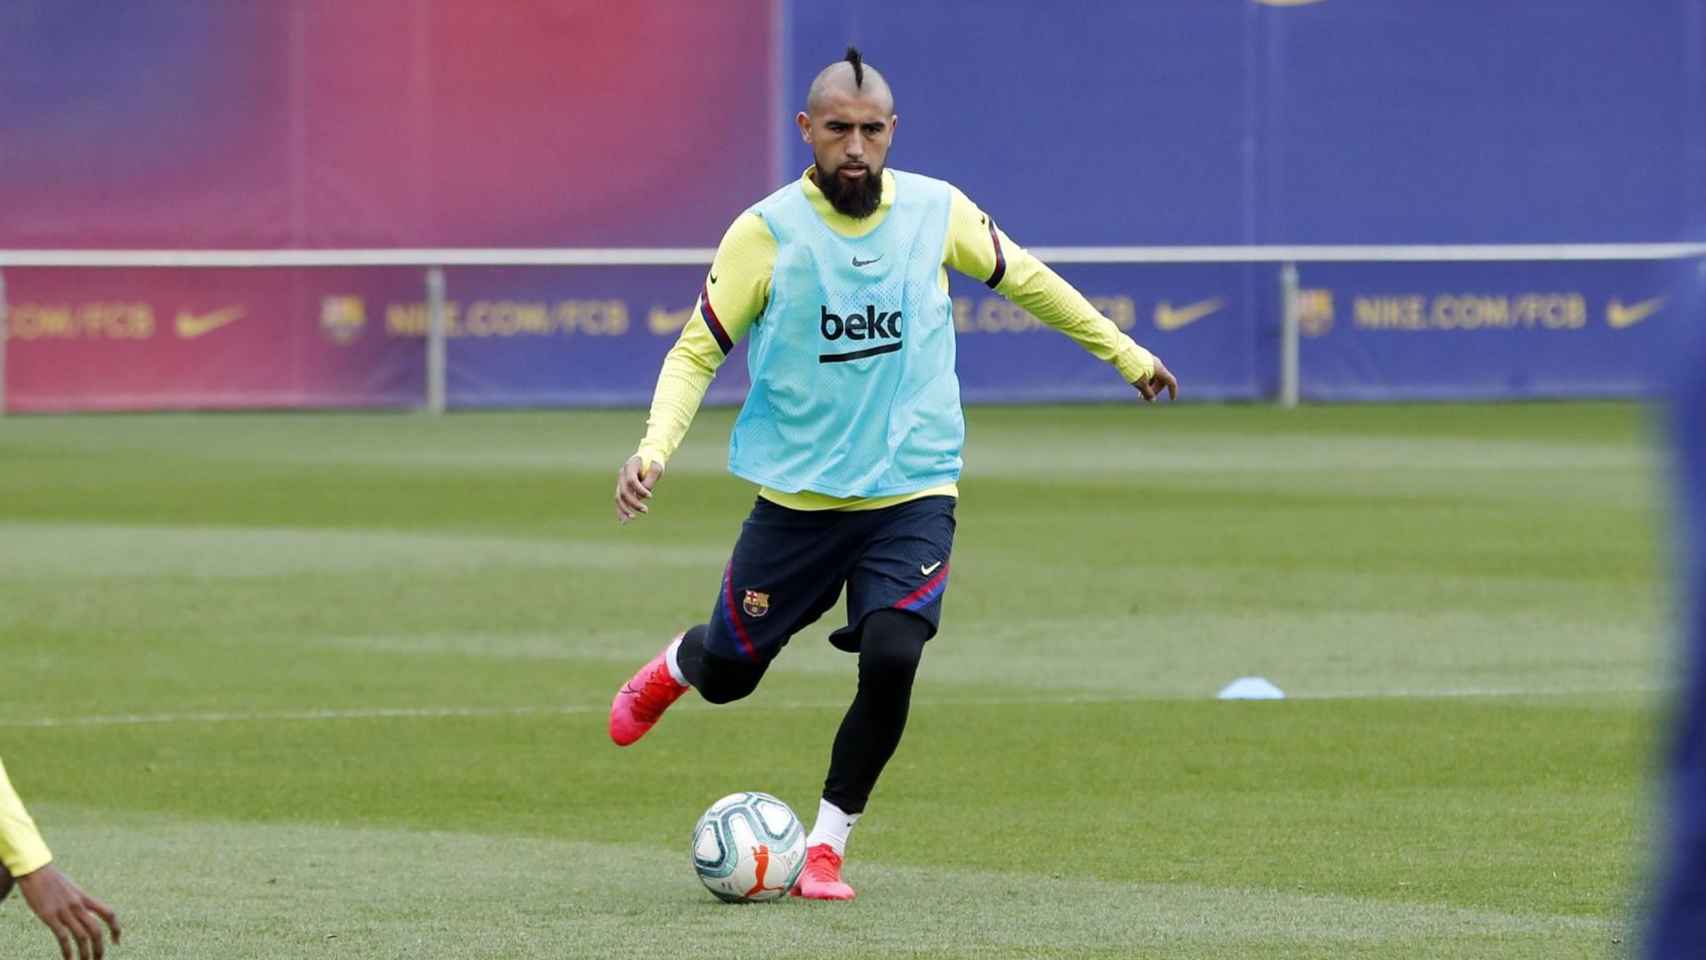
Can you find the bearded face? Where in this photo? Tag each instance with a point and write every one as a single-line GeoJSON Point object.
{"type": "Point", "coordinates": [849, 129]}
{"type": "Point", "coordinates": [854, 188]}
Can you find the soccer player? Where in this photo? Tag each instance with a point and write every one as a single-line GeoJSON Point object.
{"type": "Point", "coordinates": [68, 912]}
{"type": "Point", "coordinates": [852, 428]}
{"type": "Point", "coordinates": [1678, 922]}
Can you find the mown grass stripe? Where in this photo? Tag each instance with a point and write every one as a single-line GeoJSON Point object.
{"type": "Point", "coordinates": [192, 889]}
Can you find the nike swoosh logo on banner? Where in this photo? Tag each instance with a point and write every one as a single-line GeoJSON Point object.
{"type": "Point", "coordinates": [930, 569]}
{"type": "Point", "coordinates": [865, 263]}
{"type": "Point", "coordinates": [1618, 316]}
{"type": "Point", "coordinates": [713, 278]}
{"type": "Point", "coordinates": [191, 326]}
{"type": "Point", "coordinates": [1169, 318]}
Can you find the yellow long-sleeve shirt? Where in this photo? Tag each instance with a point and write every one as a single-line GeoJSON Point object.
{"type": "Point", "coordinates": [21, 847]}
{"type": "Point", "coordinates": [738, 286]}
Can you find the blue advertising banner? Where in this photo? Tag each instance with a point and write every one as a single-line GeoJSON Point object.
{"type": "Point", "coordinates": [565, 336]}
{"type": "Point", "coordinates": [1466, 331]}
{"type": "Point", "coordinates": [596, 336]}
{"type": "Point", "coordinates": [1201, 319]}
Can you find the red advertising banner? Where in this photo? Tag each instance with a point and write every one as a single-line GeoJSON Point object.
{"type": "Point", "coordinates": [127, 339]}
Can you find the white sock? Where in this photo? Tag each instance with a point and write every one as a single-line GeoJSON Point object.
{"type": "Point", "coordinates": [674, 668]}
{"type": "Point", "coordinates": [832, 827]}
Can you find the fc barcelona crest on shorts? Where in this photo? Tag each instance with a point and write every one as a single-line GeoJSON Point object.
{"type": "Point", "coordinates": [756, 604]}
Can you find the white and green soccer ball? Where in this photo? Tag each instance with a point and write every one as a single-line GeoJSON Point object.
{"type": "Point", "coordinates": [749, 847]}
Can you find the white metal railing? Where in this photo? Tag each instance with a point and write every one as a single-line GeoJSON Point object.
{"type": "Point", "coordinates": [668, 256]}
{"type": "Point", "coordinates": [435, 260]}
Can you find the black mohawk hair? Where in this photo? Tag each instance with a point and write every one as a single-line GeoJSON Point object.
{"type": "Point", "coordinates": [857, 59]}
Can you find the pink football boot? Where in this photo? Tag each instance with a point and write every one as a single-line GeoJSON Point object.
{"type": "Point", "coordinates": [643, 699]}
{"type": "Point", "coordinates": [821, 879]}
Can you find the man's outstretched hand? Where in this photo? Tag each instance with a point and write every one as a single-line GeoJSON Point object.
{"type": "Point", "coordinates": [73, 916]}
{"type": "Point", "coordinates": [1161, 379]}
{"type": "Point", "coordinates": [634, 485]}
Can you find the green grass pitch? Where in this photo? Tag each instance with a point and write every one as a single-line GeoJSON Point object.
{"type": "Point", "coordinates": [335, 686]}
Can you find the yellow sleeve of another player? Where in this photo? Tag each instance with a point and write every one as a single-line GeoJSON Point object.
{"type": "Point", "coordinates": [733, 296]}
{"type": "Point", "coordinates": [21, 846]}
{"type": "Point", "coordinates": [977, 248]}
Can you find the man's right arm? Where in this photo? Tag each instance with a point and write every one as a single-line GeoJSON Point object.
{"type": "Point", "coordinates": [734, 294]}
{"type": "Point", "coordinates": [72, 916]}
{"type": "Point", "coordinates": [21, 848]}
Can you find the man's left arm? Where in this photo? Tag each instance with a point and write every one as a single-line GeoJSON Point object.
{"type": "Point", "coordinates": [979, 249]}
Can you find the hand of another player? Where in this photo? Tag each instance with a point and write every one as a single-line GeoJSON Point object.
{"type": "Point", "coordinates": [634, 487]}
{"type": "Point", "coordinates": [1161, 379]}
{"type": "Point", "coordinates": [68, 912]}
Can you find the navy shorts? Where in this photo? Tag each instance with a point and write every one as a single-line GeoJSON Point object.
{"type": "Point", "coordinates": [789, 566]}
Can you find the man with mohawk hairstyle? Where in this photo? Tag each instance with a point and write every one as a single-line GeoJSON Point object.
{"type": "Point", "coordinates": [852, 429]}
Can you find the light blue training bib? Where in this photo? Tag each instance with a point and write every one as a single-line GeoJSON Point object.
{"type": "Point", "coordinates": [852, 361]}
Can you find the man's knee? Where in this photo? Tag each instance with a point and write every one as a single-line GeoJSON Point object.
{"type": "Point", "coordinates": [725, 680]}
{"type": "Point", "coordinates": [892, 644]}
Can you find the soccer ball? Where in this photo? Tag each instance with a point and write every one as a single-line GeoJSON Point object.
{"type": "Point", "coordinates": [749, 847]}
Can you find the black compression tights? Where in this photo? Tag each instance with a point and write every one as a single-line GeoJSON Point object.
{"type": "Point", "coordinates": [891, 644]}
